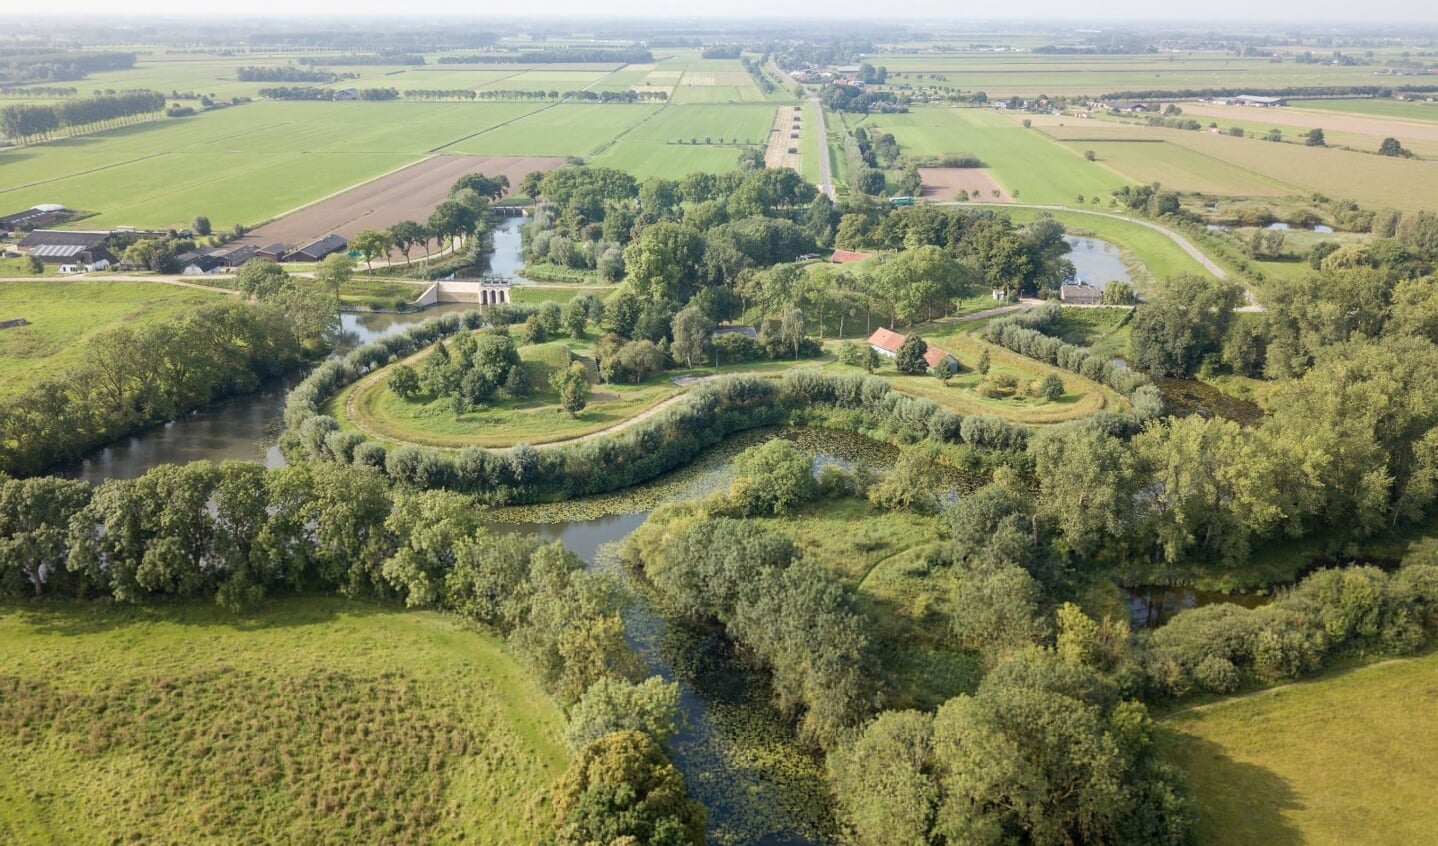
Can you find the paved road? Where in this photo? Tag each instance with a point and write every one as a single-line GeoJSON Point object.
{"type": "Point", "coordinates": [1183, 243]}
{"type": "Point", "coordinates": [826, 181]}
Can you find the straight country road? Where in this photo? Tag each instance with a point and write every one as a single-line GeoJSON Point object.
{"type": "Point", "coordinates": [826, 180]}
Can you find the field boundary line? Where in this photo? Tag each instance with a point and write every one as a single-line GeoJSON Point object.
{"type": "Point", "coordinates": [328, 197]}
{"type": "Point", "coordinates": [83, 172]}
{"type": "Point", "coordinates": [441, 148]}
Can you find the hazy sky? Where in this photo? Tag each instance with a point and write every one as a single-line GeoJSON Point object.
{"type": "Point", "coordinates": [1297, 12]}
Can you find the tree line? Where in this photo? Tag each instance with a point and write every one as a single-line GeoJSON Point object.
{"type": "Point", "coordinates": [253, 73]}
{"type": "Point", "coordinates": [384, 57]}
{"type": "Point", "coordinates": [600, 55]}
{"type": "Point", "coordinates": [26, 122]}
{"type": "Point", "coordinates": [43, 91]}
{"type": "Point", "coordinates": [21, 66]}
{"type": "Point", "coordinates": [125, 380]}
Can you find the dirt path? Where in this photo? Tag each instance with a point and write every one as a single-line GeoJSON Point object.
{"type": "Point", "coordinates": [1183, 243]}
{"type": "Point", "coordinates": [786, 135]}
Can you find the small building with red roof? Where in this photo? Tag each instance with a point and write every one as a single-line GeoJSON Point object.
{"type": "Point", "coordinates": [887, 342]}
{"type": "Point", "coordinates": [848, 256]}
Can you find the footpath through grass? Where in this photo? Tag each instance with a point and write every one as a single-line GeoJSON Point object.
{"type": "Point", "coordinates": [1350, 758]}
{"type": "Point", "coordinates": [312, 720]}
{"type": "Point", "coordinates": [65, 314]}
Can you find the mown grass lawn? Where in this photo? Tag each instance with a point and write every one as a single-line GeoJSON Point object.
{"type": "Point", "coordinates": [372, 407]}
{"type": "Point", "coordinates": [1348, 758]}
{"type": "Point", "coordinates": [65, 313]}
{"type": "Point", "coordinates": [310, 720]}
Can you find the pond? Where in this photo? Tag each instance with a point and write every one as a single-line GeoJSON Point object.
{"type": "Point", "coordinates": [1096, 261]}
{"type": "Point", "coordinates": [1150, 606]}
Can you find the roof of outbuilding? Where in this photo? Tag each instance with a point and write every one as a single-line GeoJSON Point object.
{"type": "Point", "coordinates": [57, 238]}
{"type": "Point", "coordinates": [886, 340]}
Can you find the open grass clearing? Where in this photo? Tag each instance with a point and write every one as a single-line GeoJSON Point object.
{"type": "Point", "coordinates": [64, 314]}
{"type": "Point", "coordinates": [1029, 166]}
{"type": "Point", "coordinates": [309, 720]}
{"type": "Point", "coordinates": [370, 406]}
{"type": "Point", "coordinates": [1348, 758]}
{"type": "Point", "coordinates": [1179, 168]}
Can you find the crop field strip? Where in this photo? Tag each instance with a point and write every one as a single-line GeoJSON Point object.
{"type": "Point", "coordinates": [1029, 166]}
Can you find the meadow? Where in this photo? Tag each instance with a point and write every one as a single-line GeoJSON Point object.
{"type": "Point", "coordinates": [1030, 166]}
{"type": "Point", "coordinates": [565, 129]}
{"type": "Point", "coordinates": [65, 314]}
{"type": "Point", "coordinates": [1349, 758]}
{"type": "Point", "coordinates": [317, 720]}
{"type": "Point", "coordinates": [1401, 109]}
{"type": "Point", "coordinates": [665, 144]}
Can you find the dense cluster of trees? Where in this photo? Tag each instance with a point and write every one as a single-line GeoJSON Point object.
{"type": "Point", "coordinates": [311, 92]}
{"type": "Point", "coordinates": [794, 615]}
{"type": "Point", "coordinates": [28, 122]}
{"type": "Point", "coordinates": [570, 55]}
{"type": "Point", "coordinates": [1046, 752]}
{"type": "Point", "coordinates": [476, 369]}
{"type": "Point", "coordinates": [851, 98]}
{"type": "Point", "coordinates": [384, 57]}
{"type": "Point", "coordinates": [1028, 260]}
{"type": "Point", "coordinates": [252, 73]}
{"type": "Point", "coordinates": [127, 379]}
{"type": "Point", "coordinates": [42, 91]}
{"type": "Point", "coordinates": [19, 65]}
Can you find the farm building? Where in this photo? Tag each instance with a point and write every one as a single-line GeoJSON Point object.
{"type": "Point", "coordinates": [887, 342]}
{"type": "Point", "coordinates": [197, 262]}
{"type": "Point", "coordinates": [273, 252]}
{"type": "Point", "coordinates": [1080, 293]}
{"type": "Point", "coordinates": [232, 257]}
{"type": "Point", "coordinates": [32, 218]}
{"type": "Point", "coordinates": [1263, 102]}
{"type": "Point", "coordinates": [318, 249]}
{"type": "Point", "coordinates": [1131, 108]}
{"type": "Point", "coordinates": [57, 247]}
{"type": "Point", "coordinates": [847, 256]}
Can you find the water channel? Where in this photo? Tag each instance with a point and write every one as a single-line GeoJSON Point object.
{"type": "Point", "coordinates": [1095, 261]}
{"type": "Point", "coordinates": [737, 756]}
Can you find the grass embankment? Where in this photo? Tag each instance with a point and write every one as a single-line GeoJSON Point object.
{"type": "Point", "coordinates": [64, 315]}
{"type": "Point", "coordinates": [1349, 758]}
{"type": "Point", "coordinates": [370, 406]}
{"type": "Point", "coordinates": [314, 720]}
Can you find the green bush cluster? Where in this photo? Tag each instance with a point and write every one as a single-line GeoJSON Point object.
{"type": "Point", "coordinates": [1026, 335]}
{"type": "Point", "coordinates": [1332, 613]}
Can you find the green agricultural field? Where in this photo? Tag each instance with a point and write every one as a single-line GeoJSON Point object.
{"type": "Point", "coordinates": [1402, 109]}
{"type": "Point", "coordinates": [531, 295]}
{"type": "Point", "coordinates": [1024, 161]}
{"type": "Point", "coordinates": [1180, 168]}
{"type": "Point", "coordinates": [1373, 181]}
{"type": "Point", "coordinates": [1350, 758]}
{"type": "Point", "coordinates": [679, 140]}
{"type": "Point", "coordinates": [370, 406]}
{"type": "Point", "coordinates": [245, 164]}
{"type": "Point", "coordinates": [1159, 256]}
{"type": "Point", "coordinates": [1025, 75]}
{"type": "Point", "coordinates": [310, 720]}
{"type": "Point", "coordinates": [64, 314]}
{"type": "Point", "coordinates": [566, 129]}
